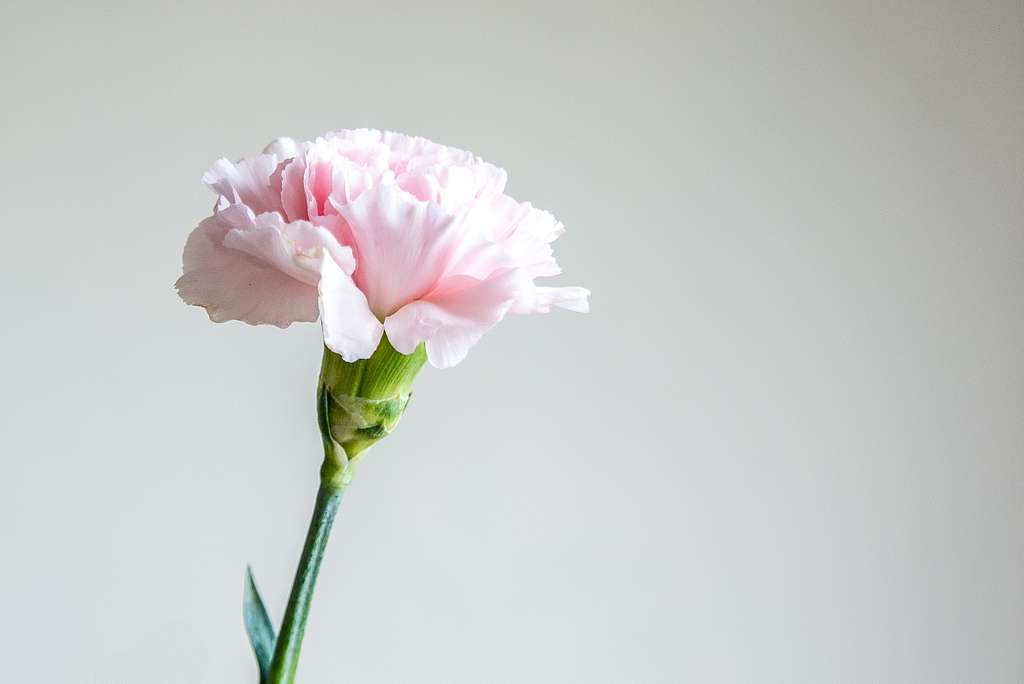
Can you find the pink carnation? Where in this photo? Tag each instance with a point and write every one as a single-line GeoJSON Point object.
{"type": "Point", "coordinates": [372, 232]}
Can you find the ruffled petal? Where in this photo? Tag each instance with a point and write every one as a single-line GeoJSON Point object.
{"type": "Point", "coordinates": [263, 240]}
{"type": "Point", "coordinates": [249, 182]}
{"type": "Point", "coordinates": [403, 246]}
{"type": "Point", "coordinates": [364, 147]}
{"type": "Point", "coordinates": [403, 149]}
{"type": "Point", "coordinates": [235, 285]}
{"type": "Point", "coordinates": [540, 299]}
{"type": "Point", "coordinates": [454, 188]}
{"type": "Point", "coordinates": [452, 318]}
{"type": "Point", "coordinates": [282, 148]}
{"type": "Point", "coordinates": [309, 238]}
{"type": "Point", "coordinates": [321, 170]}
{"type": "Point", "coordinates": [526, 233]}
{"type": "Point", "coordinates": [350, 328]}
{"type": "Point", "coordinates": [293, 190]}
{"type": "Point", "coordinates": [293, 248]}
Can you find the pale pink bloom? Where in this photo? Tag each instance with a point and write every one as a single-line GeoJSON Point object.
{"type": "Point", "coordinates": [372, 232]}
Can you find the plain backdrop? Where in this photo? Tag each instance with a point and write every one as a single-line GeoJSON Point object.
{"type": "Point", "coordinates": [786, 446]}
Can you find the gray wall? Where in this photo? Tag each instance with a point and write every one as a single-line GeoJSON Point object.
{"type": "Point", "coordinates": [786, 446]}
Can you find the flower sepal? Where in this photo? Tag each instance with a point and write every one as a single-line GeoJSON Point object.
{"type": "Point", "coordinates": [359, 403]}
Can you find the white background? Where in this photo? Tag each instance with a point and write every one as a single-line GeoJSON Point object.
{"type": "Point", "coordinates": [786, 446]}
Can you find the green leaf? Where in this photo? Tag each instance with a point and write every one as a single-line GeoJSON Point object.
{"type": "Point", "coordinates": [258, 626]}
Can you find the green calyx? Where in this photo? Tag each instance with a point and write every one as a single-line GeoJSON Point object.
{"type": "Point", "coordinates": [360, 403]}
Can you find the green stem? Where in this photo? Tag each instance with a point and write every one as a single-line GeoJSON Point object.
{"type": "Point", "coordinates": [289, 641]}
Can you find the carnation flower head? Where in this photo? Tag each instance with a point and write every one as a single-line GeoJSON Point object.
{"type": "Point", "coordinates": [372, 233]}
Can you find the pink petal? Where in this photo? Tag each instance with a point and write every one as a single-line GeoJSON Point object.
{"type": "Point", "coordinates": [293, 248]}
{"type": "Point", "coordinates": [453, 317]}
{"type": "Point", "coordinates": [282, 148]}
{"type": "Point", "coordinates": [309, 238]}
{"type": "Point", "coordinates": [264, 241]}
{"type": "Point", "coordinates": [405, 148]}
{"type": "Point", "coordinates": [350, 328]}
{"type": "Point", "coordinates": [293, 190]}
{"type": "Point", "coordinates": [523, 231]}
{"type": "Point", "coordinates": [321, 171]}
{"type": "Point", "coordinates": [540, 299]}
{"type": "Point", "coordinates": [307, 181]}
{"type": "Point", "coordinates": [454, 187]}
{"type": "Point", "coordinates": [247, 182]}
{"type": "Point", "coordinates": [403, 246]}
{"type": "Point", "coordinates": [364, 147]}
{"type": "Point", "coordinates": [234, 285]}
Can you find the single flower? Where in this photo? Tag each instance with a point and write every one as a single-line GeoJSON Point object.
{"type": "Point", "coordinates": [407, 251]}
{"type": "Point", "coordinates": [373, 233]}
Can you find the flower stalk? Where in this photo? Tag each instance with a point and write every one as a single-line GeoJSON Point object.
{"type": "Point", "coordinates": [293, 627]}
{"type": "Point", "coordinates": [358, 404]}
